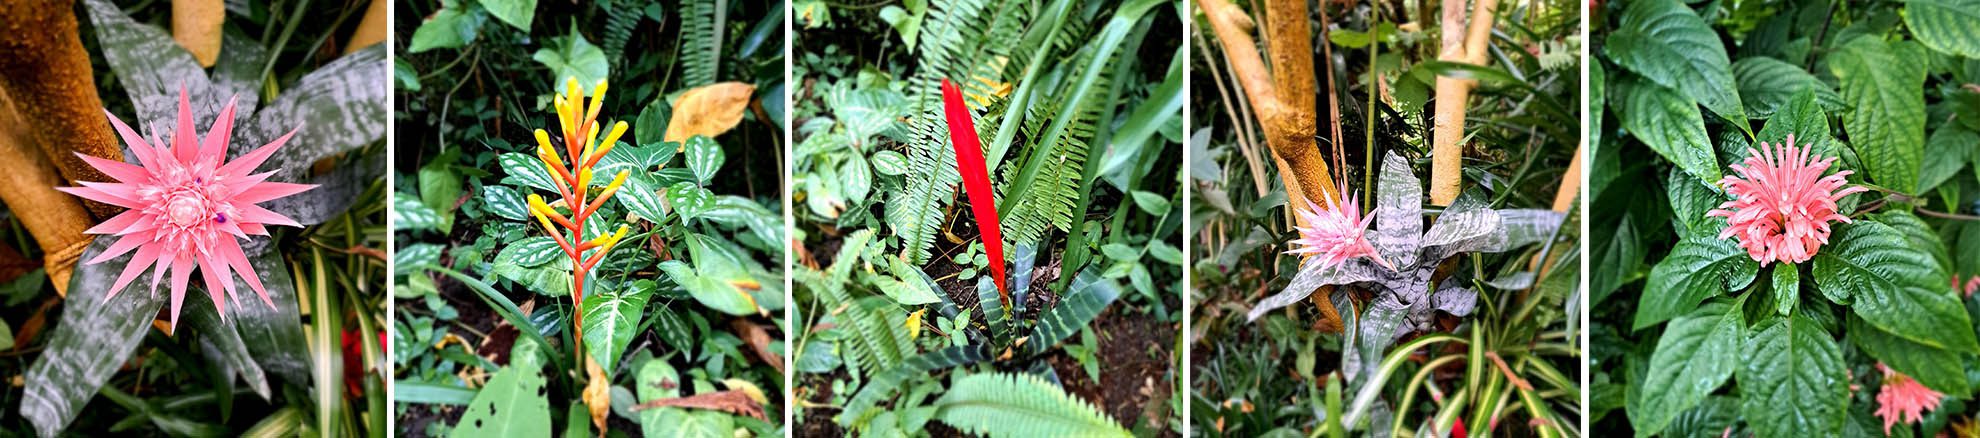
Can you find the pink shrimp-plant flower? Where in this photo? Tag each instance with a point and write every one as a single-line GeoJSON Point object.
{"type": "Point", "coordinates": [1335, 234]}
{"type": "Point", "coordinates": [188, 208]}
{"type": "Point", "coordinates": [1782, 204]}
{"type": "Point", "coordinates": [1903, 399]}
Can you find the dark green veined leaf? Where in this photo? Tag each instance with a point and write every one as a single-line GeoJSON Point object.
{"type": "Point", "coordinates": [992, 303]}
{"type": "Point", "coordinates": [531, 251]}
{"type": "Point", "coordinates": [610, 314]}
{"type": "Point", "coordinates": [1669, 123]}
{"type": "Point", "coordinates": [651, 126]}
{"type": "Point", "coordinates": [505, 202]}
{"type": "Point", "coordinates": [883, 384]}
{"type": "Point", "coordinates": [1398, 213]}
{"type": "Point", "coordinates": [1695, 355]}
{"type": "Point", "coordinates": [1712, 416]}
{"type": "Point", "coordinates": [1085, 298]}
{"type": "Point", "coordinates": [1690, 201]}
{"type": "Point", "coordinates": [1893, 286]}
{"type": "Point", "coordinates": [518, 13]}
{"type": "Point", "coordinates": [1700, 267]}
{"type": "Point", "coordinates": [1668, 43]}
{"type": "Point", "coordinates": [1949, 148]}
{"type": "Point", "coordinates": [408, 214]}
{"type": "Point", "coordinates": [1598, 78]}
{"type": "Point", "coordinates": [1803, 117]}
{"type": "Point", "coordinates": [450, 28]}
{"type": "Point", "coordinates": [669, 325]}
{"type": "Point", "coordinates": [1021, 405]}
{"type": "Point", "coordinates": [890, 163]}
{"type": "Point", "coordinates": [94, 336]}
{"type": "Point", "coordinates": [1766, 84]}
{"type": "Point", "coordinates": [689, 200]}
{"type": "Point", "coordinates": [571, 57]}
{"type": "Point", "coordinates": [704, 157]}
{"type": "Point", "coordinates": [525, 170]}
{"type": "Point", "coordinates": [1937, 368]}
{"type": "Point", "coordinates": [1950, 26]}
{"type": "Point", "coordinates": [1918, 234]}
{"type": "Point", "coordinates": [1880, 82]}
{"type": "Point", "coordinates": [1787, 288]}
{"type": "Point", "coordinates": [513, 402]}
{"type": "Point", "coordinates": [642, 197]}
{"type": "Point", "coordinates": [1794, 380]}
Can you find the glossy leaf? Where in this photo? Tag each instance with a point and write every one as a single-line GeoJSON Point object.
{"type": "Point", "coordinates": [1670, 124]}
{"type": "Point", "coordinates": [518, 13]}
{"type": "Point", "coordinates": [531, 251]}
{"type": "Point", "coordinates": [1886, 123]}
{"type": "Point", "coordinates": [525, 170]}
{"type": "Point", "coordinates": [1894, 286]}
{"type": "Point", "coordinates": [1937, 368]}
{"type": "Point", "coordinates": [1667, 42]}
{"type": "Point", "coordinates": [641, 196]}
{"type": "Point", "coordinates": [1766, 84]}
{"type": "Point", "coordinates": [689, 200]}
{"type": "Point", "coordinates": [1694, 356]}
{"type": "Point", "coordinates": [1793, 380]}
{"type": "Point", "coordinates": [1700, 267]}
{"type": "Point", "coordinates": [1787, 288]}
{"type": "Point", "coordinates": [890, 163]}
{"type": "Point", "coordinates": [1950, 26]}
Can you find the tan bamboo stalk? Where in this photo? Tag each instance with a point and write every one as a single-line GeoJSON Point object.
{"type": "Point", "coordinates": [371, 29]}
{"type": "Point", "coordinates": [196, 26]}
{"type": "Point", "coordinates": [1446, 155]}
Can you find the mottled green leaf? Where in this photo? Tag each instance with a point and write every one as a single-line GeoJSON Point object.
{"type": "Point", "coordinates": [610, 316]}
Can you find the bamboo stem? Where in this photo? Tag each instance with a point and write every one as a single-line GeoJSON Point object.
{"type": "Point", "coordinates": [1446, 155]}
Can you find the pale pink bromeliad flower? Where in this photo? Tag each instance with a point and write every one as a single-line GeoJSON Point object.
{"type": "Point", "coordinates": [187, 207]}
{"type": "Point", "coordinates": [1335, 234]}
{"type": "Point", "coordinates": [1902, 399]}
{"type": "Point", "coordinates": [1782, 205]}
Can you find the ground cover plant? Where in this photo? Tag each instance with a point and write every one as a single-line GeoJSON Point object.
{"type": "Point", "coordinates": [987, 204]}
{"type": "Point", "coordinates": [589, 213]}
{"type": "Point", "coordinates": [1384, 223]}
{"type": "Point", "coordinates": [225, 275]}
{"type": "Point", "coordinates": [1802, 264]}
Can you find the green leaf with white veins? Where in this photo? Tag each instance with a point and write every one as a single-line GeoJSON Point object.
{"type": "Point", "coordinates": [890, 163]}
{"type": "Point", "coordinates": [704, 157]}
{"type": "Point", "coordinates": [1667, 42]}
{"type": "Point", "coordinates": [1886, 123]}
{"type": "Point", "coordinates": [1894, 286]}
{"type": "Point", "coordinates": [689, 200]}
{"type": "Point", "coordinates": [1695, 355]}
{"type": "Point", "coordinates": [525, 170]}
{"type": "Point", "coordinates": [531, 251]}
{"type": "Point", "coordinates": [1793, 381]}
{"type": "Point", "coordinates": [610, 317]}
{"type": "Point", "coordinates": [505, 202]}
{"type": "Point", "coordinates": [1700, 267]}
{"type": "Point", "coordinates": [1669, 123]}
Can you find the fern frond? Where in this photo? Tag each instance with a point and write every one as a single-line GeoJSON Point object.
{"type": "Point", "coordinates": [1020, 405]}
{"type": "Point", "coordinates": [620, 20]}
{"type": "Point", "coordinates": [701, 41]}
{"type": "Point", "coordinates": [1049, 200]}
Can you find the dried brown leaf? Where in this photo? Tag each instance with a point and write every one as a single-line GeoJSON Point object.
{"type": "Point", "coordinates": [734, 401]}
{"type": "Point", "coordinates": [709, 110]}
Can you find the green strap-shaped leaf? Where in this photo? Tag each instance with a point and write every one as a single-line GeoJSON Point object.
{"type": "Point", "coordinates": [1794, 380]}
{"type": "Point", "coordinates": [1670, 124]}
{"type": "Point", "coordinates": [91, 340]}
{"type": "Point", "coordinates": [1085, 298]}
{"type": "Point", "coordinates": [883, 384]}
{"type": "Point", "coordinates": [1700, 267]}
{"type": "Point", "coordinates": [1950, 26]}
{"type": "Point", "coordinates": [220, 337]}
{"type": "Point", "coordinates": [513, 402]}
{"type": "Point", "coordinates": [1894, 286]}
{"type": "Point", "coordinates": [1886, 122]}
{"type": "Point", "coordinates": [337, 108]}
{"type": "Point", "coordinates": [1021, 405]}
{"type": "Point", "coordinates": [610, 314]}
{"type": "Point", "coordinates": [1665, 41]}
{"type": "Point", "coordinates": [1695, 355]}
{"type": "Point", "coordinates": [1937, 368]}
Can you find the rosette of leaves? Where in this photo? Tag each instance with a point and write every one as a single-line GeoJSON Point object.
{"type": "Point", "coordinates": [1407, 297]}
{"type": "Point", "coordinates": [340, 107]}
{"type": "Point", "coordinates": [874, 344]}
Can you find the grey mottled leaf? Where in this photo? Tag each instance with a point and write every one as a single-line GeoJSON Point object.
{"type": "Point", "coordinates": [336, 108]}
{"type": "Point", "coordinates": [218, 336]}
{"type": "Point", "coordinates": [1314, 274]}
{"type": "Point", "coordinates": [1453, 298]}
{"type": "Point", "coordinates": [1398, 212]}
{"type": "Point", "coordinates": [93, 337]}
{"type": "Point", "coordinates": [273, 335]}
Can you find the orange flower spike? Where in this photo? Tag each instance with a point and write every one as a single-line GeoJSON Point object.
{"type": "Point", "coordinates": [563, 116]}
{"type": "Point", "coordinates": [611, 139]}
{"type": "Point", "coordinates": [573, 103]}
{"type": "Point", "coordinates": [560, 176]}
{"type": "Point", "coordinates": [590, 126]}
{"type": "Point", "coordinates": [545, 213]}
{"type": "Point", "coordinates": [535, 200]}
{"type": "Point", "coordinates": [610, 189]}
{"type": "Point", "coordinates": [605, 244]}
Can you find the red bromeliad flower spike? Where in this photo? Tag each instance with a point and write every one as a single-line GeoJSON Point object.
{"type": "Point", "coordinates": [976, 181]}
